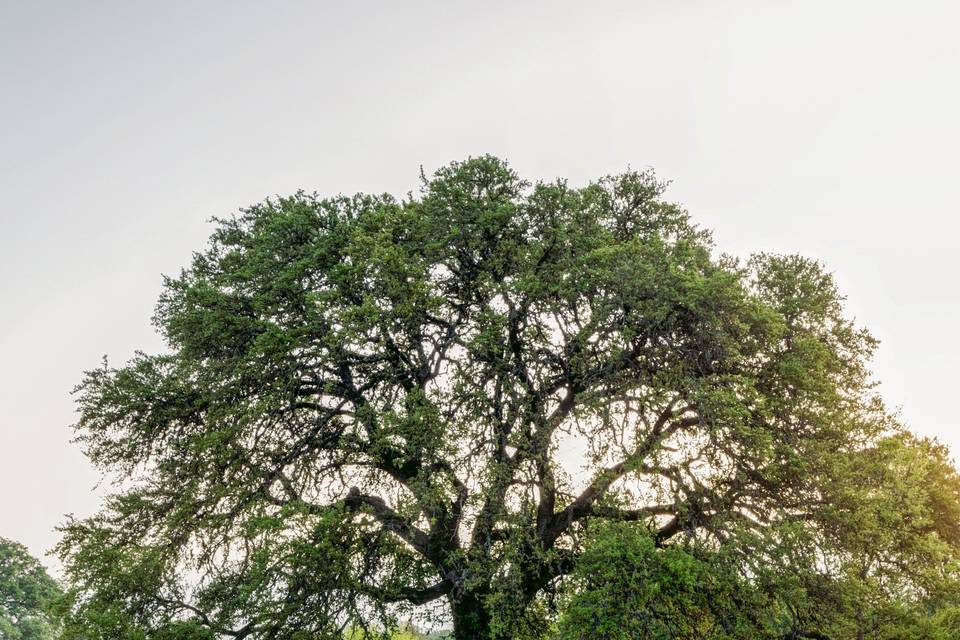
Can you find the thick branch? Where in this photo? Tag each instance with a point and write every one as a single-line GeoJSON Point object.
{"type": "Point", "coordinates": [421, 596]}
{"type": "Point", "coordinates": [391, 520]}
{"type": "Point", "coordinates": [632, 515]}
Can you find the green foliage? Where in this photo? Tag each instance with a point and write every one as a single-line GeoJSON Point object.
{"type": "Point", "coordinates": [879, 560]}
{"type": "Point", "coordinates": [886, 551]}
{"type": "Point", "coordinates": [27, 595]}
{"type": "Point", "coordinates": [362, 408]}
{"type": "Point", "coordinates": [625, 587]}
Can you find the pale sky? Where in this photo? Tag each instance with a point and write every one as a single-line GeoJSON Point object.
{"type": "Point", "coordinates": [828, 129]}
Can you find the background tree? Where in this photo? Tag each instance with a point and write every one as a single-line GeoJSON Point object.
{"type": "Point", "coordinates": [373, 407]}
{"type": "Point", "coordinates": [881, 557]}
{"type": "Point", "coordinates": [27, 595]}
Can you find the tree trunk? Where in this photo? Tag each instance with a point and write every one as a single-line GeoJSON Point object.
{"type": "Point", "coordinates": [471, 620]}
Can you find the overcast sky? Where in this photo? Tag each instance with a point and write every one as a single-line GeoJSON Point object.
{"type": "Point", "coordinates": [823, 128]}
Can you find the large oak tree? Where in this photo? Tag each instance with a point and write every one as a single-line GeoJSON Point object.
{"type": "Point", "coordinates": [374, 406]}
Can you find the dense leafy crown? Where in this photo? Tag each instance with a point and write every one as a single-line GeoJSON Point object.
{"type": "Point", "coordinates": [371, 404]}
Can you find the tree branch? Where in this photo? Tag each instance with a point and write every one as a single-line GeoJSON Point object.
{"type": "Point", "coordinates": [391, 521]}
{"type": "Point", "coordinates": [665, 426]}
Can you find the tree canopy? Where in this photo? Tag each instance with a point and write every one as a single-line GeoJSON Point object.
{"type": "Point", "coordinates": [374, 407]}
{"type": "Point", "coordinates": [27, 595]}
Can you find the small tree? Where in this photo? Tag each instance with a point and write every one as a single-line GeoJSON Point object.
{"type": "Point", "coordinates": [367, 404]}
{"type": "Point", "coordinates": [27, 595]}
